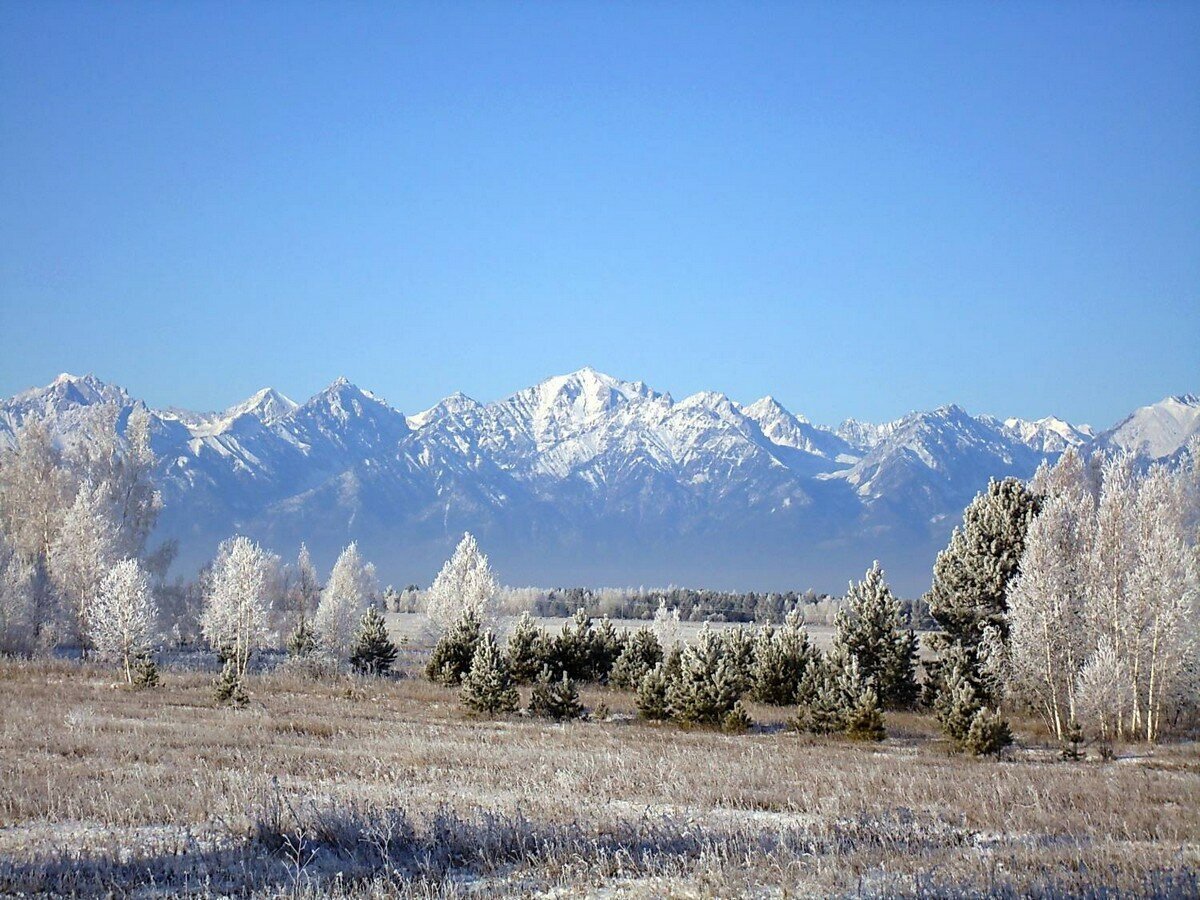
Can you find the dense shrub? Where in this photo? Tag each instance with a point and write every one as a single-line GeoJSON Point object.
{"type": "Point", "coordinates": [488, 686]}
{"type": "Point", "coordinates": [455, 650]}
{"type": "Point", "coordinates": [557, 700]}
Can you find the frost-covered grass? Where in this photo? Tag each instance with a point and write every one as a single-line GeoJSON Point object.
{"type": "Point", "coordinates": [386, 788]}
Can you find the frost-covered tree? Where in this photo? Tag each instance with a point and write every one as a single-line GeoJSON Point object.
{"type": "Point", "coordinates": [125, 471]}
{"type": "Point", "coordinates": [707, 685]}
{"type": "Point", "coordinates": [557, 700]}
{"type": "Point", "coordinates": [18, 609]}
{"type": "Point", "coordinates": [1165, 586]}
{"type": "Point", "coordinates": [1047, 607]}
{"type": "Point", "coordinates": [36, 490]}
{"type": "Point", "coordinates": [454, 651]}
{"type": "Point", "coordinates": [465, 582]}
{"type": "Point", "coordinates": [870, 629]}
{"type": "Point", "coordinates": [374, 653]}
{"type": "Point", "coordinates": [971, 576]}
{"type": "Point", "coordinates": [488, 686]}
{"type": "Point", "coordinates": [306, 587]}
{"type": "Point", "coordinates": [352, 585]}
{"type": "Point", "coordinates": [640, 655]}
{"type": "Point", "coordinates": [666, 626]}
{"type": "Point", "coordinates": [83, 551]}
{"type": "Point", "coordinates": [1107, 620]}
{"type": "Point", "coordinates": [526, 649]}
{"type": "Point", "coordinates": [234, 621]}
{"type": "Point", "coordinates": [121, 616]}
{"type": "Point", "coordinates": [781, 659]}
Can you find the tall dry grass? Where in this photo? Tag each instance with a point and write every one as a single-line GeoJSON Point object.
{"type": "Point", "coordinates": [388, 783]}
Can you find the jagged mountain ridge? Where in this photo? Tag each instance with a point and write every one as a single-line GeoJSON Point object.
{"type": "Point", "coordinates": [584, 478]}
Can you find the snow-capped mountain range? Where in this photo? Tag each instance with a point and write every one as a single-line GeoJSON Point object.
{"type": "Point", "coordinates": [587, 479]}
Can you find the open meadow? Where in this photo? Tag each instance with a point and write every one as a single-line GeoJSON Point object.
{"type": "Point", "coordinates": [386, 787]}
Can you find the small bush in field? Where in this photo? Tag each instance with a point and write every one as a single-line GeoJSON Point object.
{"type": "Point", "coordinates": [488, 686]}
{"type": "Point", "coordinates": [455, 650]}
{"type": "Point", "coordinates": [641, 654]}
{"type": "Point", "coordinates": [737, 720]}
{"type": "Point", "coordinates": [303, 640]}
{"type": "Point", "coordinates": [988, 735]}
{"type": "Point", "coordinates": [145, 671]}
{"type": "Point", "coordinates": [864, 720]}
{"type": "Point", "coordinates": [557, 700]}
{"type": "Point", "coordinates": [652, 694]}
{"type": "Point", "coordinates": [373, 653]}
{"type": "Point", "coordinates": [229, 687]}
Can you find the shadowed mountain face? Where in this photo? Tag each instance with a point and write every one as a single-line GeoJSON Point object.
{"type": "Point", "coordinates": [586, 479]}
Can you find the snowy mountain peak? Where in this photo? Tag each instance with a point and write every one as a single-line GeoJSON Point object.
{"type": "Point", "coordinates": [72, 390]}
{"type": "Point", "coordinates": [1049, 434]}
{"type": "Point", "coordinates": [267, 405]}
{"type": "Point", "coordinates": [768, 409]}
{"type": "Point", "coordinates": [456, 404]}
{"type": "Point", "coordinates": [1157, 430]}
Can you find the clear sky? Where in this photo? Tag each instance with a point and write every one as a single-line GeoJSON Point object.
{"type": "Point", "coordinates": [862, 210]}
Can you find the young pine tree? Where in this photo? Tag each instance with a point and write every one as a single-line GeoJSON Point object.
{"type": "Point", "coordinates": [303, 641]}
{"type": "Point", "coordinates": [782, 657]}
{"type": "Point", "coordinates": [557, 700]}
{"type": "Point", "coordinates": [870, 629]}
{"type": "Point", "coordinates": [640, 655]}
{"type": "Point", "coordinates": [145, 671]}
{"type": "Point", "coordinates": [455, 650]}
{"type": "Point", "coordinates": [526, 648]}
{"type": "Point", "coordinates": [373, 653]}
{"type": "Point", "coordinates": [653, 694]}
{"type": "Point", "coordinates": [707, 686]}
{"type": "Point", "coordinates": [488, 686]}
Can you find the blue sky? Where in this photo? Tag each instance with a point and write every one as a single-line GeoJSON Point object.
{"type": "Point", "coordinates": [861, 209]}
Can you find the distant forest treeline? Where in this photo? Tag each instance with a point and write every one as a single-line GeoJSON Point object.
{"type": "Point", "coordinates": [694, 605]}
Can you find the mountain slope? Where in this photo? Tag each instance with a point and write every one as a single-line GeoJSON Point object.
{"type": "Point", "coordinates": [585, 478]}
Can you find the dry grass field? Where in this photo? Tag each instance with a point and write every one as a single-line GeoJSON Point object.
{"type": "Point", "coordinates": [386, 788]}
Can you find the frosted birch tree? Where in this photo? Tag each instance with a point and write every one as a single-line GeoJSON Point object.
{"type": "Point", "coordinates": [352, 585]}
{"type": "Point", "coordinates": [18, 621]}
{"type": "Point", "coordinates": [666, 627]}
{"type": "Point", "coordinates": [234, 620]}
{"type": "Point", "coordinates": [1047, 607]}
{"type": "Point", "coordinates": [85, 548]}
{"type": "Point", "coordinates": [465, 583]}
{"type": "Point", "coordinates": [122, 615]}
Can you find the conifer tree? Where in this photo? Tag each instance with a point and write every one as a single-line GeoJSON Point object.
{"type": "Point", "coordinates": [526, 648]}
{"type": "Point", "coordinates": [870, 629]}
{"type": "Point", "coordinates": [958, 702]}
{"type": "Point", "coordinates": [642, 653]}
{"type": "Point", "coordinates": [864, 720]}
{"type": "Point", "coordinates": [303, 641]}
{"type": "Point", "coordinates": [373, 653]}
{"type": "Point", "coordinates": [557, 700]}
{"type": "Point", "coordinates": [706, 687]}
{"type": "Point", "coordinates": [739, 649]}
{"type": "Point", "coordinates": [488, 687]}
{"type": "Point", "coordinates": [971, 576]}
{"type": "Point", "coordinates": [737, 720]}
{"type": "Point", "coordinates": [145, 670]}
{"type": "Point", "coordinates": [452, 655]}
{"type": "Point", "coordinates": [573, 648]}
{"type": "Point", "coordinates": [607, 644]}
{"type": "Point", "coordinates": [653, 694]}
{"type": "Point", "coordinates": [229, 687]}
{"type": "Point", "coordinates": [781, 658]}
{"type": "Point", "coordinates": [988, 735]}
